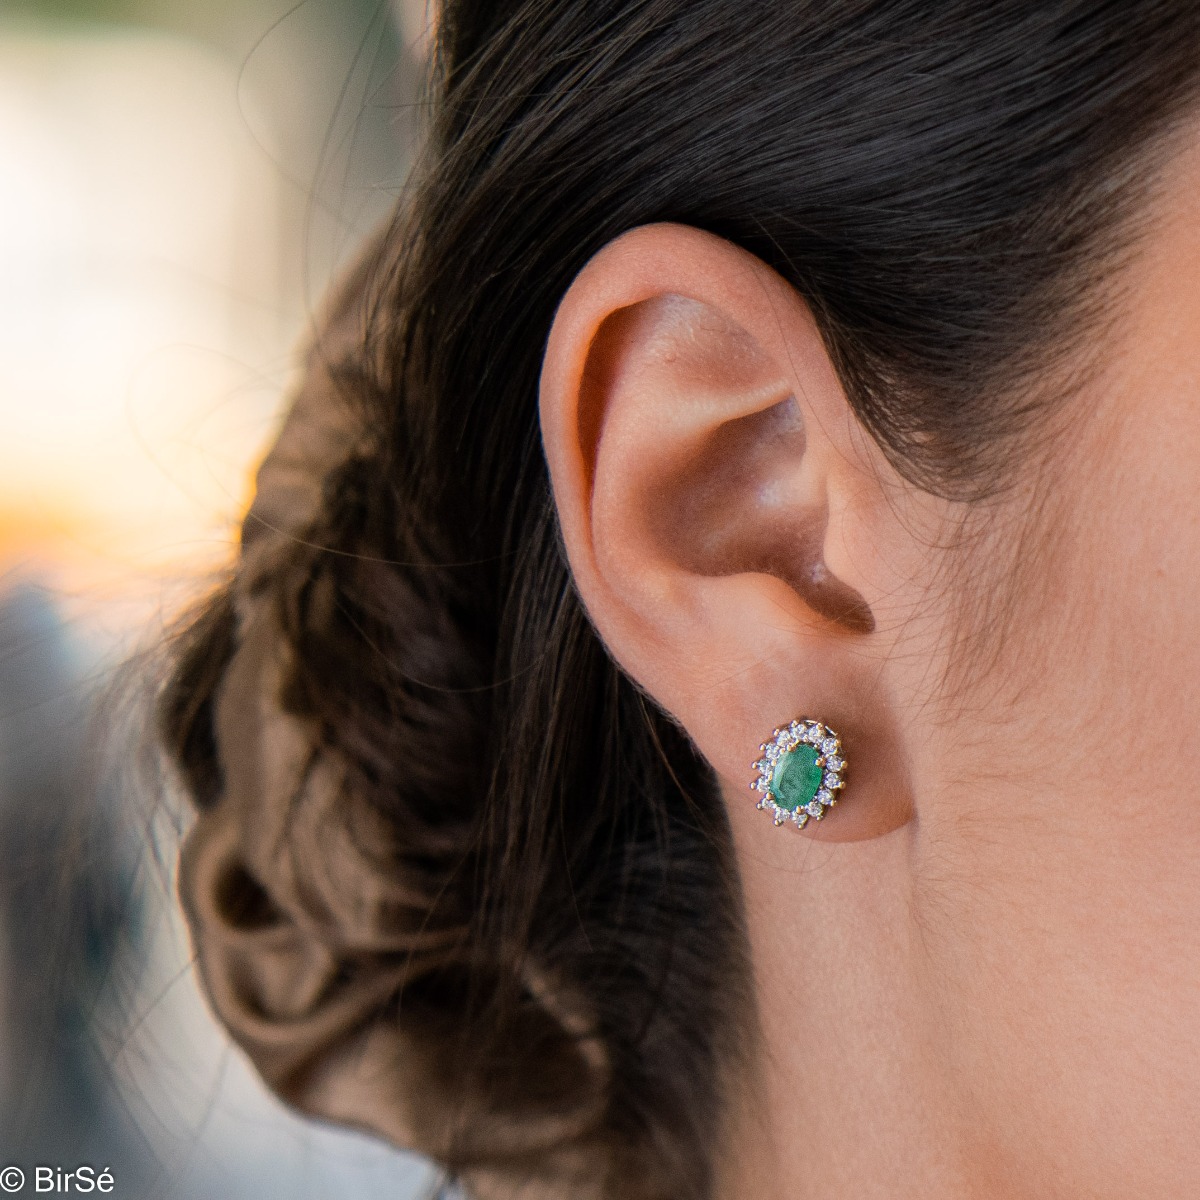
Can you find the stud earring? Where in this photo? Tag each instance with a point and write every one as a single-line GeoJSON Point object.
{"type": "Point", "coordinates": [800, 772]}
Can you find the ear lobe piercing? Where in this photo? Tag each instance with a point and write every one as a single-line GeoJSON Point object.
{"type": "Point", "coordinates": [800, 772]}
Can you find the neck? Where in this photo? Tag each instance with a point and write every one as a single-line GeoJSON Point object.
{"type": "Point", "coordinates": [855, 1092]}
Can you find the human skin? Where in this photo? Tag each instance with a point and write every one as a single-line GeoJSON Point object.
{"type": "Point", "coordinates": [980, 975]}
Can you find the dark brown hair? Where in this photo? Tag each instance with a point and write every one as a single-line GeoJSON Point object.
{"type": "Point", "coordinates": [422, 770]}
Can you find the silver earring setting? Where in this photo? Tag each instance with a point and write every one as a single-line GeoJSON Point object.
{"type": "Point", "coordinates": [800, 772]}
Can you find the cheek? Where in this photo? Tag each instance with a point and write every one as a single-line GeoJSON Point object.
{"type": "Point", "coordinates": [1069, 863]}
{"type": "Point", "coordinates": [1136, 566]}
{"type": "Point", "coordinates": [1097, 661]}
{"type": "Point", "coordinates": [1141, 505]}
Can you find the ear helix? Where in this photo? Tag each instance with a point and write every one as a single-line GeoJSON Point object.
{"type": "Point", "coordinates": [800, 773]}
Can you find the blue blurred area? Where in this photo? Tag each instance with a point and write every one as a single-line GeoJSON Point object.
{"type": "Point", "coordinates": [68, 910]}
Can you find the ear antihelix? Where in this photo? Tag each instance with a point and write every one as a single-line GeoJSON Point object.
{"type": "Point", "coordinates": [800, 773]}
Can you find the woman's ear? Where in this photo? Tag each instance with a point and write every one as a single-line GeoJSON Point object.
{"type": "Point", "coordinates": [741, 545]}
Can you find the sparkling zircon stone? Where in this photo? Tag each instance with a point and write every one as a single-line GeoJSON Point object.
{"type": "Point", "coordinates": [796, 778]}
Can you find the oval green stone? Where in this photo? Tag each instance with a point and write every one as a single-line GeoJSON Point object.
{"type": "Point", "coordinates": [796, 778]}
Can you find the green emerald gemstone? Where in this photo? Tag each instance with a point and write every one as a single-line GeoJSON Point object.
{"type": "Point", "coordinates": [796, 778]}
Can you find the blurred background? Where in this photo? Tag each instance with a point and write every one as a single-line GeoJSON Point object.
{"type": "Point", "coordinates": [179, 179]}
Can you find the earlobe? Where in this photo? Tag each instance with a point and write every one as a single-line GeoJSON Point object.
{"type": "Point", "coordinates": [712, 491]}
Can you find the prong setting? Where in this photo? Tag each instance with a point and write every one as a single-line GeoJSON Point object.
{"type": "Point", "coordinates": [806, 736]}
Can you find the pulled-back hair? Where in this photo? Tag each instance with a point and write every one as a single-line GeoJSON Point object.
{"type": "Point", "coordinates": [453, 876]}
